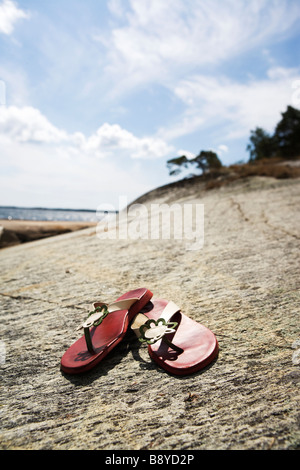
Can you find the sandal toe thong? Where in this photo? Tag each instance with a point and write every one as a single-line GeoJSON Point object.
{"type": "Point", "coordinates": [104, 328]}
{"type": "Point", "coordinates": [175, 342]}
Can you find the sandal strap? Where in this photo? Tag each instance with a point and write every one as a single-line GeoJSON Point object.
{"type": "Point", "coordinates": [170, 310]}
{"type": "Point", "coordinates": [158, 328]}
{"type": "Point", "coordinates": [122, 304]}
{"type": "Point", "coordinates": [167, 313]}
{"type": "Point", "coordinates": [97, 314]}
{"type": "Point", "coordinates": [101, 311]}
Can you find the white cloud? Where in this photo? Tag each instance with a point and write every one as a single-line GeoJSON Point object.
{"type": "Point", "coordinates": [189, 155]}
{"type": "Point", "coordinates": [232, 107]}
{"type": "Point", "coordinates": [164, 41]}
{"type": "Point", "coordinates": [29, 125]}
{"type": "Point", "coordinates": [222, 149]}
{"type": "Point", "coordinates": [47, 176]}
{"type": "Point", "coordinates": [80, 168]}
{"type": "Point", "coordinates": [116, 7]}
{"type": "Point", "coordinates": [110, 139]}
{"type": "Point", "coordinates": [184, 46]}
{"type": "Point", "coordinates": [10, 14]}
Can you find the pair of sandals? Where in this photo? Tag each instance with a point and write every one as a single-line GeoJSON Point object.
{"type": "Point", "coordinates": [175, 342]}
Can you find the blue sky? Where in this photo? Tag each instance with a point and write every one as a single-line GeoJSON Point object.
{"type": "Point", "coordinates": [96, 96]}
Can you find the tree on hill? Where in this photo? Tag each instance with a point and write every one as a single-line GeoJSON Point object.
{"type": "Point", "coordinates": [287, 134]}
{"type": "Point", "coordinates": [284, 143]}
{"type": "Point", "coordinates": [175, 165]}
{"type": "Point", "coordinates": [205, 161]}
{"type": "Point", "coordinates": [261, 145]}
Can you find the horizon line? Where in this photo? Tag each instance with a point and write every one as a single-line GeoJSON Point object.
{"type": "Point", "coordinates": [55, 209]}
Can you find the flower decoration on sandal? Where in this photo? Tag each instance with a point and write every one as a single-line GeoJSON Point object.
{"type": "Point", "coordinates": [96, 317]}
{"type": "Point", "coordinates": [155, 330]}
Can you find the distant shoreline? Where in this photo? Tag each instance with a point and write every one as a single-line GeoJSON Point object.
{"type": "Point", "coordinates": [16, 232]}
{"type": "Point", "coordinates": [48, 208]}
{"type": "Point", "coordinates": [57, 209]}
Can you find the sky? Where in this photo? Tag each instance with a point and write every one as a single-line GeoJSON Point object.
{"type": "Point", "coordinates": [96, 96]}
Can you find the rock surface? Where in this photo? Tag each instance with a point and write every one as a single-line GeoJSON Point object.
{"type": "Point", "coordinates": [243, 285]}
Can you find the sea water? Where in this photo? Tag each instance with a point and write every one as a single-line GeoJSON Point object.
{"type": "Point", "coordinates": [37, 213]}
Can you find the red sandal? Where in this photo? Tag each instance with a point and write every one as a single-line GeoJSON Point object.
{"type": "Point", "coordinates": [177, 343]}
{"type": "Point", "coordinates": [104, 328]}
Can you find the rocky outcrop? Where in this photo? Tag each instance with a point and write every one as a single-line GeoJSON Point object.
{"type": "Point", "coordinates": [14, 232]}
{"type": "Point", "coordinates": [243, 284]}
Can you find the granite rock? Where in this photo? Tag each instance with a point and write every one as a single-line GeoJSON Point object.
{"type": "Point", "coordinates": [243, 284]}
